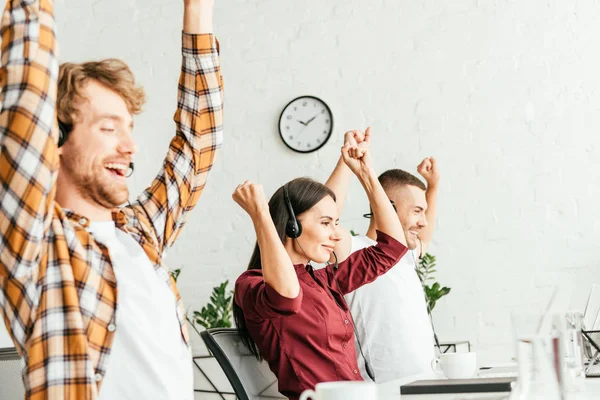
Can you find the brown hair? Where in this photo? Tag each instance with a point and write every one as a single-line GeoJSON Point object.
{"type": "Point", "coordinates": [112, 73]}
{"type": "Point", "coordinates": [394, 178]}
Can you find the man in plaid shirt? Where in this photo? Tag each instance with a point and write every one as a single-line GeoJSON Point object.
{"type": "Point", "coordinates": [84, 293]}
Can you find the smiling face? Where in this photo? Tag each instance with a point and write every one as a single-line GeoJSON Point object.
{"type": "Point", "coordinates": [319, 232]}
{"type": "Point", "coordinates": [96, 156]}
{"type": "Point", "coordinates": [410, 204]}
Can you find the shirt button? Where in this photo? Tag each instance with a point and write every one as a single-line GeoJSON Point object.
{"type": "Point", "coordinates": [82, 221]}
{"type": "Point", "coordinates": [98, 377]}
{"type": "Point", "coordinates": [355, 372]}
{"type": "Point", "coordinates": [111, 327]}
{"type": "Point", "coordinates": [345, 345]}
{"type": "Point", "coordinates": [346, 321]}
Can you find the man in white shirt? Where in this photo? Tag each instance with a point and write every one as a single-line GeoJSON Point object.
{"type": "Point", "coordinates": [390, 314]}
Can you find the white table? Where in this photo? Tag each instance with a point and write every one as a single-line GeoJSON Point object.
{"type": "Point", "coordinates": [391, 391]}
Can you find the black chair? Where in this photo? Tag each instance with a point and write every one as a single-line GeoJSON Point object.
{"type": "Point", "coordinates": [11, 383]}
{"type": "Point", "coordinates": [249, 378]}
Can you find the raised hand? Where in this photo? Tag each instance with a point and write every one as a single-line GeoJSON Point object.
{"type": "Point", "coordinates": [429, 171]}
{"type": "Point", "coordinates": [356, 152]}
{"type": "Point", "coordinates": [198, 16]}
{"type": "Point", "coordinates": [199, 3]}
{"type": "Point", "coordinates": [358, 138]}
{"type": "Point", "coordinates": [251, 197]}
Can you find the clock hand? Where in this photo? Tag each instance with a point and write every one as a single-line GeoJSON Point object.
{"type": "Point", "coordinates": [311, 120]}
{"type": "Point", "coordinates": [305, 125]}
{"type": "Point", "coordinates": [301, 131]}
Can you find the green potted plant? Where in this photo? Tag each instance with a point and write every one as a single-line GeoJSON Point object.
{"type": "Point", "coordinates": [217, 313]}
{"type": "Point", "coordinates": [433, 292]}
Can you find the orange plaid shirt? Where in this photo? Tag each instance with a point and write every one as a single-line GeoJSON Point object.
{"type": "Point", "coordinates": [58, 289]}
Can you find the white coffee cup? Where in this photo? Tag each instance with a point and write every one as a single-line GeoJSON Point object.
{"type": "Point", "coordinates": [455, 365]}
{"type": "Point", "coordinates": [348, 390]}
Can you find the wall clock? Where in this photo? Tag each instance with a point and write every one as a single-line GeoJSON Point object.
{"type": "Point", "coordinates": [305, 124]}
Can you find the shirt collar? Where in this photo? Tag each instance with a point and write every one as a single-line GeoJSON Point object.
{"type": "Point", "coordinates": [118, 217]}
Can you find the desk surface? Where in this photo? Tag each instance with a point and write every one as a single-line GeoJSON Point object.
{"type": "Point", "coordinates": [391, 391]}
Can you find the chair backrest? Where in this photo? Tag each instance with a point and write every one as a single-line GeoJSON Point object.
{"type": "Point", "coordinates": [250, 379]}
{"type": "Point", "coordinates": [11, 383]}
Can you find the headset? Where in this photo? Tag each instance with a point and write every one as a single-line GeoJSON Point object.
{"type": "Point", "coordinates": [63, 134]}
{"type": "Point", "coordinates": [293, 229]}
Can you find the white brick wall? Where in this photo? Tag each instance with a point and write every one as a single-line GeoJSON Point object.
{"type": "Point", "coordinates": [506, 94]}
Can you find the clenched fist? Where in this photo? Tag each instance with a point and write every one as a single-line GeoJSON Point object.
{"type": "Point", "coordinates": [356, 152]}
{"type": "Point", "coordinates": [429, 170]}
{"type": "Point", "coordinates": [358, 139]}
{"type": "Point", "coordinates": [251, 197]}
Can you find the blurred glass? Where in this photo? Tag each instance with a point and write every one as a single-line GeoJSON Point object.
{"type": "Point", "coordinates": [572, 339]}
{"type": "Point", "coordinates": [537, 348]}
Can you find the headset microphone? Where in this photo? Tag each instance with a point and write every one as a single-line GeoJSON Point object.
{"type": "Point", "coordinates": [131, 169]}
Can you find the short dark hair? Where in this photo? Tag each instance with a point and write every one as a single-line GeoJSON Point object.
{"type": "Point", "coordinates": [394, 178]}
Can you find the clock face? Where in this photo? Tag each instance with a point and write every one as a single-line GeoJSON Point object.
{"type": "Point", "coordinates": [305, 124]}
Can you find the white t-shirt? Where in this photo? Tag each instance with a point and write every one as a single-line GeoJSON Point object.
{"type": "Point", "coordinates": [392, 321]}
{"type": "Point", "coordinates": [149, 359]}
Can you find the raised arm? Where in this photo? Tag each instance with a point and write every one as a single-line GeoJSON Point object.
{"type": "Point", "coordinates": [199, 129]}
{"type": "Point", "coordinates": [338, 182]}
{"type": "Point", "coordinates": [359, 161]}
{"type": "Point", "coordinates": [277, 268]}
{"type": "Point", "coordinates": [365, 265]}
{"type": "Point", "coordinates": [430, 172]}
{"type": "Point", "coordinates": [340, 177]}
{"type": "Point", "coordinates": [198, 16]}
{"type": "Point", "coordinates": [28, 152]}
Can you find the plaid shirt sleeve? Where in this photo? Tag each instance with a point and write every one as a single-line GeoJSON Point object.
{"type": "Point", "coordinates": [199, 122]}
{"type": "Point", "coordinates": [28, 153]}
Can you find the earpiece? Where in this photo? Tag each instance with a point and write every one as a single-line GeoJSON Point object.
{"type": "Point", "coordinates": [63, 132]}
{"type": "Point", "coordinates": [293, 227]}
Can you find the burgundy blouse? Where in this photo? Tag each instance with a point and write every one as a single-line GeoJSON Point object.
{"type": "Point", "coordinates": [309, 339]}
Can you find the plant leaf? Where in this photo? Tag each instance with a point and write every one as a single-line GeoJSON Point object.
{"type": "Point", "coordinates": [218, 311]}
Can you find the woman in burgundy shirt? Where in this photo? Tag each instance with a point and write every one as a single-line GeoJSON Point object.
{"type": "Point", "coordinates": [290, 314]}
